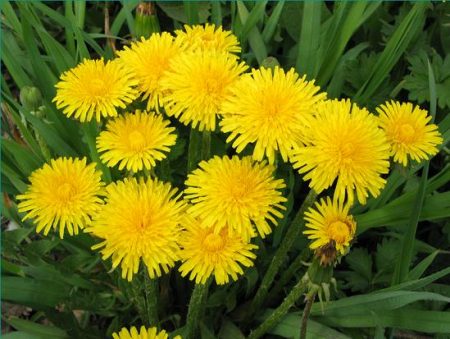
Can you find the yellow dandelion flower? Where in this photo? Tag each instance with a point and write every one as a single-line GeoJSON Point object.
{"type": "Point", "coordinates": [206, 252]}
{"type": "Point", "coordinates": [63, 194]}
{"type": "Point", "coordinates": [409, 132]}
{"type": "Point", "coordinates": [140, 220]}
{"type": "Point", "coordinates": [235, 193]}
{"type": "Point", "coordinates": [144, 333]}
{"type": "Point", "coordinates": [135, 141]}
{"type": "Point", "coordinates": [208, 37]}
{"type": "Point", "coordinates": [148, 60]}
{"type": "Point", "coordinates": [269, 108]}
{"type": "Point", "coordinates": [344, 143]}
{"type": "Point", "coordinates": [330, 227]}
{"type": "Point", "coordinates": [95, 89]}
{"type": "Point", "coordinates": [197, 85]}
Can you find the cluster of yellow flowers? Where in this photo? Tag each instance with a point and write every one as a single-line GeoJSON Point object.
{"type": "Point", "coordinates": [197, 78]}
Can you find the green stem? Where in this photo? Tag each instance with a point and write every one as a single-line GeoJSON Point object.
{"type": "Point", "coordinates": [286, 244]}
{"type": "Point", "coordinates": [296, 292]}
{"type": "Point", "coordinates": [199, 148]}
{"type": "Point", "coordinates": [151, 300]}
{"type": "Point", "coordinates": [90, 132]}
{"type": "Point", "coordinates": [287, 275]}
{"type": "Point", "coordinates": [306, 311]}
{"type": "Point", "coordinates": [196, 306]}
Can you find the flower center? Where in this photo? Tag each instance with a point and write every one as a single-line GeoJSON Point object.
{"type": "Point", "coordinates": [406, 133]}
{"type": "Point", "coordinates": [65, 192]}
{"type": "Point", "coordinates": [339, 232]}
{"type": "Point", "coordinates": [97, 87]}
{"type": "Point", "coordinates": [136, 140]}
{"type": "Point", "coordinates": [213, 242]}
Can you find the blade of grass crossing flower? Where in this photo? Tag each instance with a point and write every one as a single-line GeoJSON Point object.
{"type": "Point", "coordinates": [272, 22]}
{"type": "Point", "coordinates": [309, 39]}
{"type": "Point", "coordinates": [394, 49]}
{"type": "Point", "coordinates": [403, 265]}
{"type": "Point", "coordinates": [254, 36]}
{"type": "Point", "coordinates": [254, 17]}
{"type": "Point", "coordinates": [216, 13]}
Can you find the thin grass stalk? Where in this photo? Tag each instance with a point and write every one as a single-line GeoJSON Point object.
{"type": "Point", "coordinates": [286, 244]}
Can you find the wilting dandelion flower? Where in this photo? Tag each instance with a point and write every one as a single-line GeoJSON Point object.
{"type": "Point", "coordinates": [95, 89]}
{"type": "Point", "coordinates": [269, 108]}
{"type": "Point", "coordinates": [208, 37]}
{"type": "Point", "coordinates": [330, 228]}
{"type": "Point", "coordinates": [408, 131]}
{"type": "Point", "coordinates": [237, 194]}
{"type": "Point", "coordinates": [344, 143]}
{"type": "Point", "coordinates": [148, 60]}
{"type": "Point", "coordinates": [140, 220]}
{"type": "Point", "coordinates": [135, 141]}
{"type": "Point", "coordinates": [144, 333]}
{"type": "Point", "coordinates": [63, 194]}
{"type": "Point", "coordinates": [206, 252]}
{"type": "Point", "coordinates": [197, 84]}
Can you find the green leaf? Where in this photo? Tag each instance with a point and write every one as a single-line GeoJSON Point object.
{"type": "Point", "coordinates": [34, 293]}
{"type": "Point", "coordinates": [177, 11]}
{"type": "Point", "coordinates": [409, 319]}
{"type": "Point", "coordinates": [420, 269]}
{"type": "Point", "coordinates": [360, 261]}
{"type": "Point", "coordinates": [37, 330]}
{"type": "Point", "coordinates": [272, 22]}
{"type": "Point", "coordinates": [417, 81]}
{"type": "Point", "coordinates": [255, 16]}
{"type": "Point", "coordinates": [289, 327]}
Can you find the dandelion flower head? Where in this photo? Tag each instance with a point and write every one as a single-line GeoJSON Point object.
{"type": "Point", "coordinates": [207, 37]}
{"type": "Point", "coordinates": [197, 84]}
{"type": "Point", "coordinates": [345, 144]}
{"type": "Point", "coordinates": [140, 220]}
{"type": "Point", "coordinates": [206, 252]}
{"type": "Point", "coordinates": [95, 89]}
{"type": "Point", "coordinates": [330, 228]}
{"type": "Point", "coordinates": [62, 195]}
{"type": "Point", "coordinates": [148, 60]}
{"type": "Point", "coordinates": [135, 141]}
{"type": "Point", "coordinates": [237, 194]}
{"type": "Point", "coordinates": [409, 131]}
{"type": "Point", "coordinates": [269, 108]}
{"type": "Point", "coordinates": [143, 333]}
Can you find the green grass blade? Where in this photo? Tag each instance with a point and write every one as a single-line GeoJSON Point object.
{"type": "Point", "coordinates": [271, 25]}
{"type": "Point", "coordinates": [421, 267]}
{"type": "Point", "coordinates": [394, 49]}
{"type": "Point", "coordinates": [216, 13]}
{"type": "Point", "coordinates": [254, 17]}
{"type": "Point", "coordinates": [403, 265]}
{"type": "Point", "coordinates": [309, 39]}
{"type": "Point", "coordinates": [254, 37]}
{"type": "Point", "coordinates": [191, 9]}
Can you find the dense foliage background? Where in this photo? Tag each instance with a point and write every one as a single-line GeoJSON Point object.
{"type": "Point", "coordinates": [367, 51]}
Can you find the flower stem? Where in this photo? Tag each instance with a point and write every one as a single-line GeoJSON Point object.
{"type": "Point", "coordinates": [196, 306]}
{"type": "Point", "coordinates": [199, 148]}
{"type": "Point", "coordinates": [151, 300]}
{"type": "Point", "coordinates": [306, 311]}
{"type": "Point", "coordinates": [286, 244]}
{"type": "Point", "coordinates": [281, 310]}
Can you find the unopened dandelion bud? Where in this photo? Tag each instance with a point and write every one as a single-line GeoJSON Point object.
{"type": "Point", "coordinates": [146, 22]}
{"type": "Point", "coordinates": [30, 98]}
